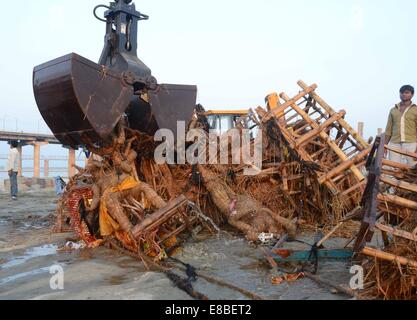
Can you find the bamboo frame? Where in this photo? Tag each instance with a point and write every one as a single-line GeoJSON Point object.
{"type": "Point", "coordinates": [325, 137]}
{"type": "Point", "coordinates": [330, 110]}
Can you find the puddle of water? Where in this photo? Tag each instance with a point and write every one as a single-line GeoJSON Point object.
{"type": "Point", "coordinates": [24, 275]}
{"type": "Point", "coordinates": [31, 253]}
{"type": "Point", "coordinates": [27, 226]}
{"type": "Point", "coordinates": [117, 280]}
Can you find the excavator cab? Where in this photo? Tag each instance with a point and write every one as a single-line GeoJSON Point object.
{"type": "Point", "coordinates": [83, 101]}
{"type": "Point", "coordinates": [221, 121]}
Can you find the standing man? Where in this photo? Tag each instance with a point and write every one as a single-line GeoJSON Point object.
{"type": "Point", "coordinates": [13, 168]}
{"type": "Point", "coordinates": [401, 129]}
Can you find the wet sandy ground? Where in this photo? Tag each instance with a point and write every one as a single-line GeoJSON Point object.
{"type": "Point", "coordinates": [28, 249]}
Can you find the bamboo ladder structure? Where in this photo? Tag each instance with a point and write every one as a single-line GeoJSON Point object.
{"type": "Point", "coordinates": [320, 135]}
{"type": "Point", "coordinates": [395, 208]}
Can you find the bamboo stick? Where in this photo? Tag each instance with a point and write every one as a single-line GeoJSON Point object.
{"type": "Point", "coordinates": [401, 151]}
{"type": "Point", "coordinates": [398, 201]}
{"type": "Point", "coordinates": [302, 128]}
{"type": "Point", "coordinates": [397, 165]}
{"type": "Point", "coordinates": [353, 188]}
{"type": "Point", "coordinates": [284, 176]}
{"type": "Point", "coordinates": [397, 232]}
{"type": "Point", "coordinates": [394, 174]}
{"type": "Point", "coordinates": [389, 257]}
{"type": "Point", "coordinates": [295, 177]}
{"type": "Point", "coordinates": [319, 152]}
{"type": "Point", "coordinates": [330, 110]}
{"type": "Point", "coordinates": [399, 184]}
{"type": "Point", "coordinates": [327, 237]}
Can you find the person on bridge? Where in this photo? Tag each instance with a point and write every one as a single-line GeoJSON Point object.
{"type": "Point", "coordinates": [13, 168]}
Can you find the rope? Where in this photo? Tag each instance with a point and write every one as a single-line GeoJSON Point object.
{"type": "Point", "coordinates": [165, 269]}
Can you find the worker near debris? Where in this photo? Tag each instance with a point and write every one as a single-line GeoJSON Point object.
{"type": "Point", "coordinates": [13, 168]}
{"type": "Point", "coordinates": [401, 132]}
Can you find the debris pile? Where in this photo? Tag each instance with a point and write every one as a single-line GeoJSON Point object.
{"type": "Point", "coordinates": [110, 199]}
{"type": "Point", "coordinates": [389, 206]}
{"type": "Point", "coordinates": [313, 172]}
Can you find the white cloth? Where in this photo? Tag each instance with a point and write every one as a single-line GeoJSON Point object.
{"type": "Point", "coordinates": [396, 157]}
{"type": "Point", "coordinates": [403, 138]}
{"type": "Point", "coordinates": [13, 160]}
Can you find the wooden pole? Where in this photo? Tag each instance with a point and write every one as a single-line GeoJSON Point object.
{"type": "Point", "coordinates": [36, 160]}
{"type": "Point", "coordinates": [46, 168]}
{"type": "Point", "coordinates": [71, 163]}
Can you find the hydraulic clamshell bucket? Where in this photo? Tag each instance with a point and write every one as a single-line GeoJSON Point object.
{"type": "Point", "coordinates": [80, 100]}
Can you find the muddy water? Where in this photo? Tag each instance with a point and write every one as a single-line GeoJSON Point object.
{"type": "Point", "coordinates": [28, 250]}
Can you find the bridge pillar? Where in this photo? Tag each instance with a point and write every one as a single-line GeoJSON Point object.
{"type": "Point", "coordinates": [36, 160]}
{"type": "Point", "coordinates": [46, 168]}
{"type": "Point", "coordinates": [20, 171]}
{"type": "Point", "coordinates": [71, 163]}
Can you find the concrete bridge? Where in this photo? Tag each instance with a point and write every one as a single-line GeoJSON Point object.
{"type": "Point", "coordinates": [37, 141]}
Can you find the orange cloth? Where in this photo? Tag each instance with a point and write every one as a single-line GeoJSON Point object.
{"type": "Point", "coordinates": [107, 224]}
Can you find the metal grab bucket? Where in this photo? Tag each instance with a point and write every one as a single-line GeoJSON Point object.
{"type": "Point", "coordinates": [82, 102]}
